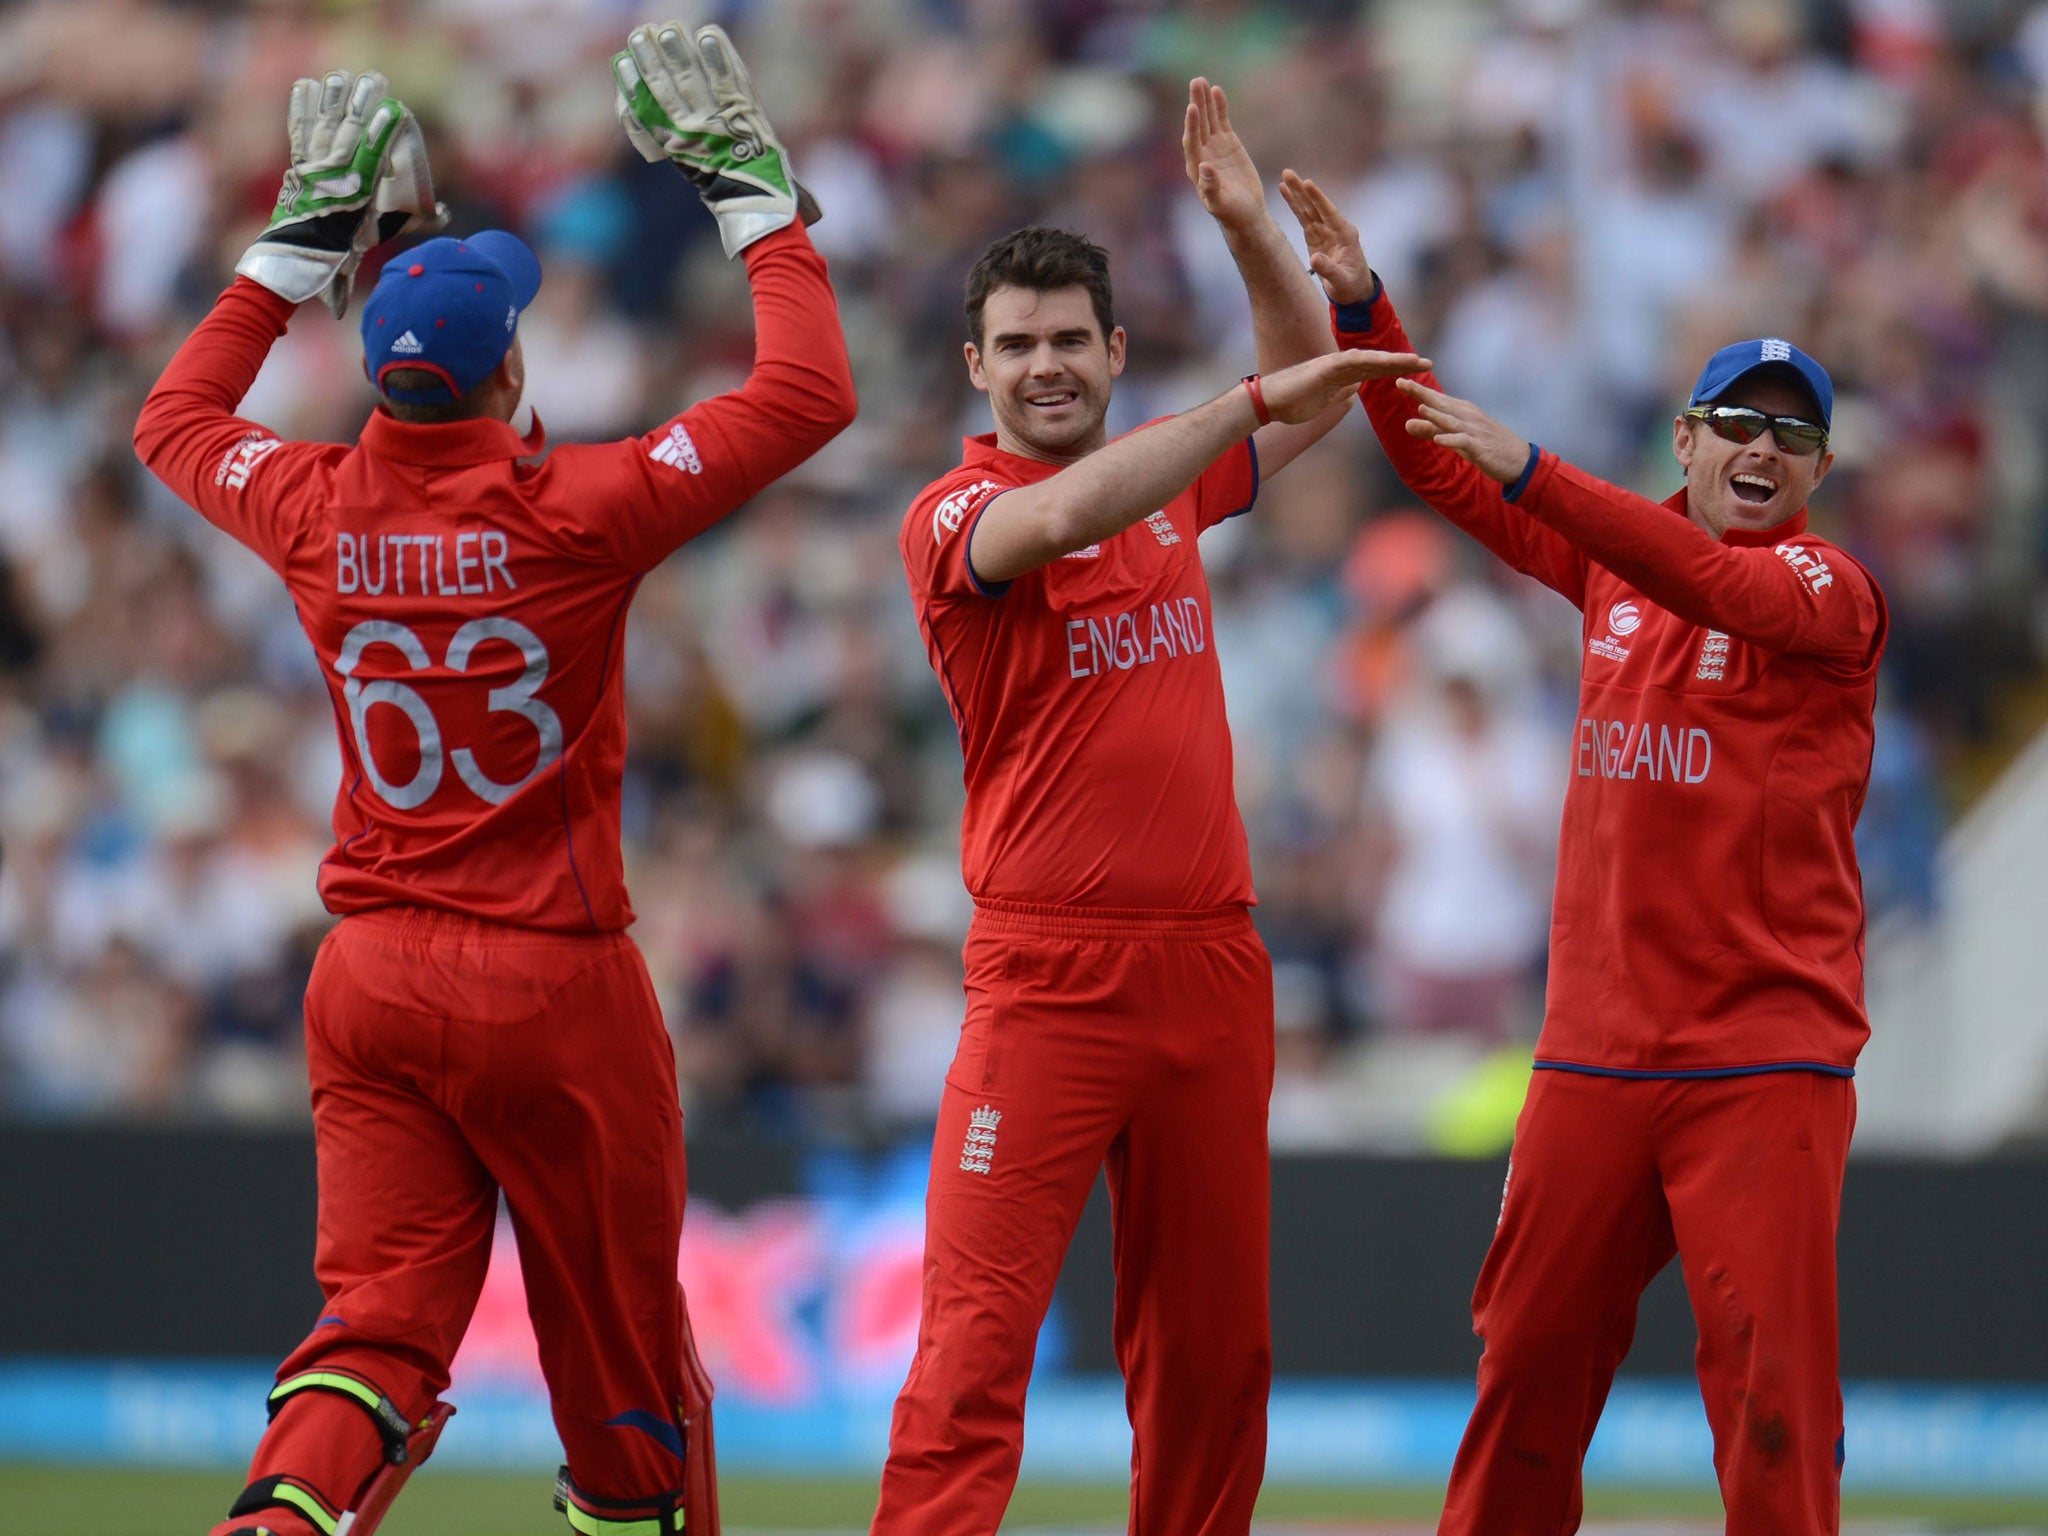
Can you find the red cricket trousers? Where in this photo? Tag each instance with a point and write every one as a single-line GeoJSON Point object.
{"type": "Point", "coordinates": [451, 1059]}
{"type": "Point", "coordinates": [1143, 1041]}
{"type": "Point", "coordinates": [1742, 1179]}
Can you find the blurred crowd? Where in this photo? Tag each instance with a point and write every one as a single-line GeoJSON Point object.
{"type": "Point", "coordinates": [1572, 201]}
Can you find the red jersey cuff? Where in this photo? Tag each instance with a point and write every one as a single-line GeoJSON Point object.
{"type": "Point", "coordinates": [1528, 492]}
{"type": "Point", "coordinates": [280, 309]}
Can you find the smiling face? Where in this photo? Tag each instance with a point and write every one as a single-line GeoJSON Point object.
{"type": "Point", "coordinates": [1752, 485]}
{"type": "Point", "coordinates": [1046, 368]}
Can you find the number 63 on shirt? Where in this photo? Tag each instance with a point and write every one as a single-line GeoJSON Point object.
{"type": "Point", "coordinates": [518, 698]}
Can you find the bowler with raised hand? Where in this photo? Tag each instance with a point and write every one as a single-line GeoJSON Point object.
{"type": "Point", "coordinates": [1119, 1002]}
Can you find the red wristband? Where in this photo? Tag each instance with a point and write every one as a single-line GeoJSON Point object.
{"type": "Point", "coordinates": [1251, 384]}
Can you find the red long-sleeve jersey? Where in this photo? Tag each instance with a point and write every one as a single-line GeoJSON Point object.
{"type": "Point", "coordinates": [467, 604]}
{"type": "Point", "coordinates": [1708, 918]}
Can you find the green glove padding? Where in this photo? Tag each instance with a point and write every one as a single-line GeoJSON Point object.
{"type": "Point", "coordinates": [692, 103]}
{"type": "Point", "coordinates": [358, 177]}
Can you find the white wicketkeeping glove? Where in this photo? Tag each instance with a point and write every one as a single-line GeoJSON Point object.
{"type": "Point", "coordinates": [692, 103]}
{"type": "Point", "coordinates": [358, 177]}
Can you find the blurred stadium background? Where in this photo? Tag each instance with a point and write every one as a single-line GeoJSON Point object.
{"type": "Point", "coordinates": [1574, 201]}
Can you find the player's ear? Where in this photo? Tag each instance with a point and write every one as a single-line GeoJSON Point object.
{"type": "Point", "coordinates": [1681, 441]}
{"type": "Point", "coordinates": [1116, 352]}
{"type": "Point", "coordinates": [976, 374]}
{"type": "Point", "coordinates": [508, 382]}
{"type": "Point", "coordinates": [1820, 471]}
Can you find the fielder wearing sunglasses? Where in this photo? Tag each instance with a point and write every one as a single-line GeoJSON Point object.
{"type": "Point", "coordinates": [1754, 437]}
{"type": "Point", "coordinates": [1693, 1087]}
{"type": "Point", "coordinates": [1740, 424]}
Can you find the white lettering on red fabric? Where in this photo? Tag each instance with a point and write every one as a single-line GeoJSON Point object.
{"type": "Point", "coordinates": [370, 563]}
{"type": "Point", "coordinates": [240, 461]}
{"type": "Point", "coordinates": [950, 513]}
{"type": "Point", "coordinates": [1622, 619]}
{"type": "Point", "coordinates": [678, 450]}
{"type": "Point", "coordinates": [1118, 642]}
{"type": "Point", "coordinates": [1812, 569]}
{"type": "Point", "coordinates": [1636, 749]}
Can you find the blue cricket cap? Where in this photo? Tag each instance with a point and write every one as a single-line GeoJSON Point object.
{"type": "Point", "coordinates": [1734, 363]}
{"type": "Point", "coordinates": [451, 307]}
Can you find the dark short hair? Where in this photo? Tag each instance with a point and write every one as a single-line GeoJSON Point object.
{"type": "Point", "coordinates": [1041, 259]}
{"type": "Point", "coordinates": [468, 408]}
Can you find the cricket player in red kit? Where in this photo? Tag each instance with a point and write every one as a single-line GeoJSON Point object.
{"type": "Point", "coordinates": [1693, 1092]}
{"type": "Point", "coordinates": [1119, 1003]}
{"type": "Point", "coordinates": [478, 1020]}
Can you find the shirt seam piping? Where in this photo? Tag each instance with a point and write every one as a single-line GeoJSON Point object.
{"type": "Point", "coordinates": [1758, 1069]}
{"type": "Point", "coordinates": [990, 590]}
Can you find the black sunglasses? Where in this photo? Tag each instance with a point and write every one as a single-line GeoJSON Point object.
{"type": "Point", "coordinates": [1740, 424]}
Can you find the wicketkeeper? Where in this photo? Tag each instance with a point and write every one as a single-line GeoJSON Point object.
{"type": "Point", "coordinates": [478, 1022]}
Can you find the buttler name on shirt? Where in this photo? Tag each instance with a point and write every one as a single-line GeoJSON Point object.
{"type": "Point", "coordinates": [423, 564]}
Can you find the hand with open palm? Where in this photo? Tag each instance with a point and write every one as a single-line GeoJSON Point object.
{"type": "Point", "coordinates": [1335, 253]}
{"type": "Point", "coordinates": [1218, 163]}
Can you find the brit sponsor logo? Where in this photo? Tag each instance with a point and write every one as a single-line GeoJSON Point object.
{"type": "Point", "coordinates": [1812, 569]}
{"type": "Point", "coordinates": [1622, 619]}
{"type": "Point", "coordinates": [1118, 642]}
{"type": "Point", "coordinates": [241, 460]}
{"type": "Point", "coordinates": [949, 514]}
{"type": "Point", "coordinates": [979, 1150]}
{"type": "Point", "coordinates": [1162, 527]}
{"type": "Point", "coordinates": [1636, 749]}
{"type": "Point", "coordinates": [1713, 665]}
{"type": "Point", "coordinates": [678, 451]}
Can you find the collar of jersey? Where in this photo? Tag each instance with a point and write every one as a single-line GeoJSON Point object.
{"type": "Point", "coordinates": [450, 443]}
{"type": "Point", "coordinates": [983, 450]}
{"type": "Point", "coordinates": [1750, 538]}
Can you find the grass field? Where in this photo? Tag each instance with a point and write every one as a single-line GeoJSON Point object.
{"type": "Point", "coordinates": [69, 1501]}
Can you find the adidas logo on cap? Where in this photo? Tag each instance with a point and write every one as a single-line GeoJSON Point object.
{"type": "Point", "coordinates": [409, 344]}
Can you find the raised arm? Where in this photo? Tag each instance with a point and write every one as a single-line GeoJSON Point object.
{"type": "Point", "coordinates": [1288, 317]}
{"type": "Point", "coordinates": [693, 469]}
{"type": "Point", "coordinates": [1104, 493]}
{"type": "Point", "coordinates": [1788, 597]}
{"type": "Point", "coordinates": [799, 395]}
{"type": "Point", "coordinates": [189, 436]}
{"type": "Point", "coordinates": [358, 176]}
{"type": "Point", "coordinates": [689, 100]}
{"type": "Point", "coordinates": [1362, 316]}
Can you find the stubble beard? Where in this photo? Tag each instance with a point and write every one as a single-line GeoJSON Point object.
{"type": "Point", "coordinates": [1072, 440]}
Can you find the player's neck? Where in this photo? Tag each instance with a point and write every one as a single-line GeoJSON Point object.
{"type": "Point", "coordinates": [1011, 444]}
